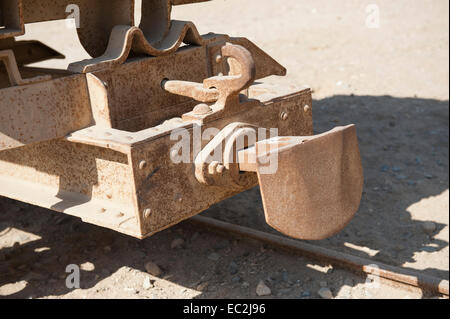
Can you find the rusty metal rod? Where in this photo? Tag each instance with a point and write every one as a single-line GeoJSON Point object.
{"type": "Point", "coordinates": [348, 261]}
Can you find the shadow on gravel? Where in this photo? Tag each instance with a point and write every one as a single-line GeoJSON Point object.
{"type": "Point", "coordinates": [404, 144]}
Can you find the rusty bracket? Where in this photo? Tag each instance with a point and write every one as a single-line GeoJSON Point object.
{"type": "Point", "coordinates": [125, 38]}
{"type": "Point", "coordinates": [223, 90]}
{"type": "Point", "coordinates": [217, 163]}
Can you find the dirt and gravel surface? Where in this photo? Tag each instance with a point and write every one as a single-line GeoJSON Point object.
{"type": "Point", "coordinates": [392, 81]}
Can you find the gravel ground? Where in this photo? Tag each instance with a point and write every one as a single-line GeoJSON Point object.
{"type": "Point", "coordinates": [392, 81]}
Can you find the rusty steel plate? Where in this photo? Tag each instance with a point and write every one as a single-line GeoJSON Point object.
{"type": "Point", "coordinates": [317, 187]}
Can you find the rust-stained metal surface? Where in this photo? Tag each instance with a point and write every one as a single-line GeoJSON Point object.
{"type": "Point", "coordinates": [317, 187]}
{"type": "Point", "coordinates": [97, 140]}
{"type": "Point", "coordinates": [34, 111]}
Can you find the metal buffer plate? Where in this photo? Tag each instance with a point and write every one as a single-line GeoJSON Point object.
{"type": "Point", "coordinates": [316, 188]}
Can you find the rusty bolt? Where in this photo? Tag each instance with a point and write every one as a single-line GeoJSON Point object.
{"type": "Point", "coordinates": [102, 210]}
{"type": "Point", "coordinates": [284, 116]}
{"type": "Point", "coordinates": [215, 168]}
{"type": "Point", "coordinates": [109, 194]}
{"type": "Point", "coordinates": [212, 168]}
{"type": "Point", "coordinates": [163, 83]}
{"type": "Point", "coordinates": [201, 109]}
{"type": "Point", "coordinates": [142, 164]}
{"type": "Point", "coordinates": [147, 212]}
{"type": "Point", "coordinates": [306, 108]}
{"type": "Point", "coordinates": [220, 168]}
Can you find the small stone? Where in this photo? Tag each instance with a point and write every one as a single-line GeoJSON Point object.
{"type": "Point", "coordinates": [214, 256]}
{"type": "Point", "coordinates": [177, 243]}
{"type": "Point", "coordinates": [262, 289]}
{"type": "Point", "coordinates": [284, 291]}
{"type": "Point", "coordinates": [285, 276]}
{"type": "Point", "coordinates": [236, 279]}
{"type": "Point", "coordinates": [325, 293]}
{"type": "Point", "coordinates": [87, 266]}
{"type": "Point", "coordinates": [323, 284]}
{"type": "Point", "coordinates": [306, 294]}
{"type": "Point", "coordinates": [147, 283]}
{"type": "Point", "coordinates": [429, 249]}
{"type": "Point", "coordinates": [233, 268]}
{"type": "Point", "coordinates": [153, 269]}
{"type": "Point", "coordinates": [429, 227]}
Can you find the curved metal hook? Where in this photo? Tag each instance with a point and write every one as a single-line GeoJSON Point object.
{"type": "Point", "coordinates": [242, 74]}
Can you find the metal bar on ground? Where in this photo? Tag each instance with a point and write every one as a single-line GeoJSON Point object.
{"type": "Point", "coordinates": [348, 261]}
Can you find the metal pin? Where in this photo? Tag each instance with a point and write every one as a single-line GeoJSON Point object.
{"type": "Point", "coordinates": [142, 164]}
